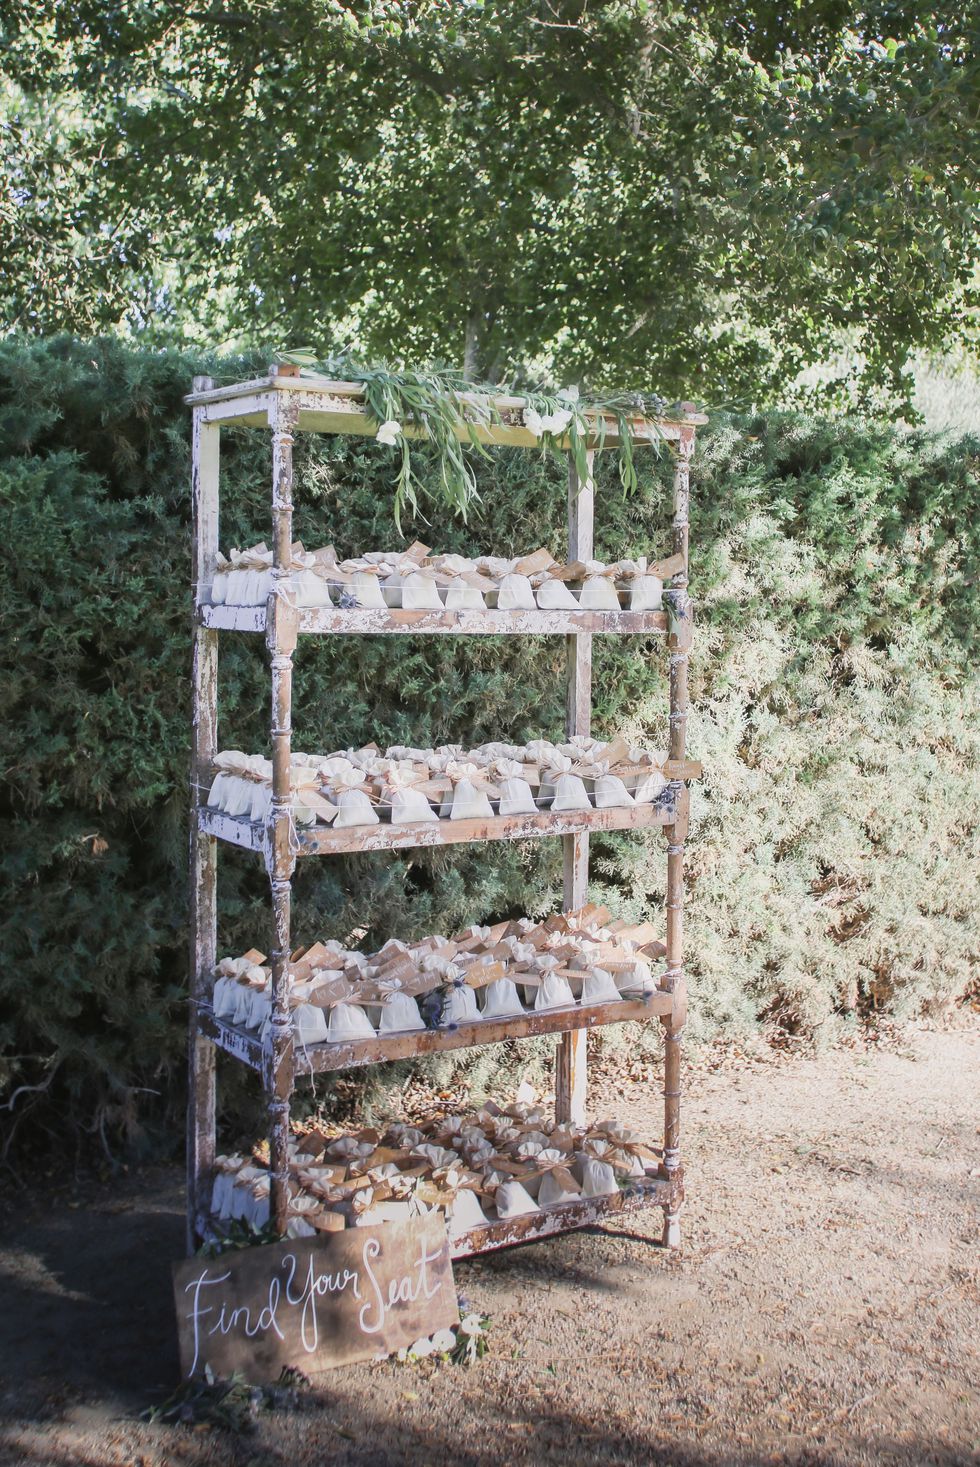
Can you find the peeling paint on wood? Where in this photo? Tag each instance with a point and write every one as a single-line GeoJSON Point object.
{"type": "Point", "coordinates": [368, 621]}
{"type": "Point", "coordinates": [571, 1065]}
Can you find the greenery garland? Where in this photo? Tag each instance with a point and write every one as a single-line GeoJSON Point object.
{"type": "Point", "coordinates": [437, 400]}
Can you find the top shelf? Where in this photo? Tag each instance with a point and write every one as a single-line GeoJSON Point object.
{"type": "Point", "coordinates": [338, 407]}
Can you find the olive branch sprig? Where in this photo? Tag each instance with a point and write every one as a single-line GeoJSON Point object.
{"type": "Point", "coordinates": [446, 409]}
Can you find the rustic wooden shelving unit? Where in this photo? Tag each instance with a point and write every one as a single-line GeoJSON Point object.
{"type": "Point", "coordinates": [284, 403]}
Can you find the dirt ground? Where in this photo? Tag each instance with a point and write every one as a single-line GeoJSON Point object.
{"type": "Point", "coordinates": [823, 1308]}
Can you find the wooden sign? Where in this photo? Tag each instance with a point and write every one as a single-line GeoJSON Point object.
{"type": "Point", "coordinates": [315, 1302]}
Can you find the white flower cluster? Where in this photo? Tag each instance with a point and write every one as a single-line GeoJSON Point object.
{"type": "Point", "coordinates": [554, 423]}
{"type": "Point", "coordinates": [461, 1344]}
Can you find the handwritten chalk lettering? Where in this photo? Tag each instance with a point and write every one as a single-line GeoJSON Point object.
{"type": "Point", "coordinates": [315, 1302]}
{"type": "Point", "coordinates": [401, 1290]}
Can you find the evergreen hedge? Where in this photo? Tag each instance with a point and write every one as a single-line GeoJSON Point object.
{"type": "Point", "coordinates": [834, 855]}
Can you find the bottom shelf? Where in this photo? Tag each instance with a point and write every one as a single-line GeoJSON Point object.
{"type": "Point", "coordinates": [547, 1222]}
{"type": "Point", "coordinates": [500, 1176]}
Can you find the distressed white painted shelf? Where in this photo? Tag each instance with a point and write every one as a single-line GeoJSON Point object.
{"type": "Point", "coordinates": [284, 402]}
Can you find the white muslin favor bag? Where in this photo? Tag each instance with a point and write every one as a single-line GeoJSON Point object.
{"type": "Point", "coordinates": [513, 1200]}
{"type": "Point", "coordinates": [565, 790]}
{"type": "Point", "coordinates": [353, 808]}
{"type": "Point", "coordinates": [515, 792]}
{"type": "Point", "coordinates": [420, 593]}
{"type": "Point", "coordinates": [646, 593]}
{"type": "Point", "coordinates": [599, 594]}
{"type": "Point", "coordinates": [459, 1006]}
{"type": "Point", "coordinates": [599, 987]}
{"type": "Point", "coordinates": [309, 1023]}
{"type": "Point", "coordinates": [469, 802]}
{"type": "Point", "coordinates": [554, 595]}
{"type": "Point", "coordinates": [365, 589]}
{"type": "Point", "coordinates": [501, 1000]}
{"type": "Point", "coordinates": [235, 585]}
{"type": "Point", "coordinates": [409, 806]}
{"type": "Point", "coordinates": [311, 589]}
{"type": "Point", "coordinates": [554, 993]}
{"type": "Point", "coordinates": [461, 597]}
{"type": "Point", "coordinates": [552, 1193]}
{"type": "Point", "coordinates": [610, 793]}
{"type": "Point", "coordinates": [349, 1021]}
{"type": "Point", "coordinates": [647, 786]}
{"type": "Point", "coordinates": [598, 1178]}
{"type": "Point", "coordinates": [465, 1212]}
{"type": "Point", "coordinates": [400, 1015]}
{"type": "Point", "coordinates": [515, 593]}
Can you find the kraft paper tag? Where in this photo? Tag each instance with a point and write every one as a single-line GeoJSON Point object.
{"type": "Point", "coordinates": [538, 560]}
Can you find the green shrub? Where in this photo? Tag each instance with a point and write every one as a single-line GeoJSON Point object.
{"type": "Point", "coordinates": [833, 856]}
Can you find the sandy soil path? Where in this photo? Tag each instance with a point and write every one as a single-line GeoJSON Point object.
{"type": "Point", "coordinates": [823, 1308]}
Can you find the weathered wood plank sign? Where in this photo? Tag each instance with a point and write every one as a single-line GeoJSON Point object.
{"type": "Point", "coordinates": [315, 1302]}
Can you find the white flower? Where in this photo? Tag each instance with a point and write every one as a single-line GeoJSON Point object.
{"type": "Point", "coordinates": [556, 422]}
{"type": "Point", "coordinates": [389, 432]}
{"type": "Point", "coordinates": [443, 1341]}
{"type": "Point", "coordinates": [421, 1348]}
{"type": "Point", "coordinates": [533, 422]}
{"type": "Point", "coordinates": [471, 1325]}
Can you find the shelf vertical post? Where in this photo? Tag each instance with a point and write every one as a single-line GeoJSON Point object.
{"type": "Point", "coordinates": [205, 451]}
{"type": "Point", "coordinates": [570, 1059]}
{"type": "Point", "coordinates": [678, 646]}
{"type": "Point", "coordinates": [280, 845]}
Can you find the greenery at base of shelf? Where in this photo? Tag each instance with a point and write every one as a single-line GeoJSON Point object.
{"type": "Point", "coordinates": [442, 404]}
{"type": "Point", "coordinates": [228, 1402]}
{"type": "Point", "coordinates": [834, 855]}
{"type": "Point", "coordinates": [237, 1234]}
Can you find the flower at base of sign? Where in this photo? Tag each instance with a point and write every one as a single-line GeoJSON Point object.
{"type": "Point", "coordinates": [461, 1346]}
{"type": "Point", "coordinates": [388, 432]}
{"type": "Point", "coordinates": [471, 1339]}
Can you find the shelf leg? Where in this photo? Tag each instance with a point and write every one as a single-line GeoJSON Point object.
{"type": "Point", "coordinates": [678, 645]}
{"type": "Point", "coordinates": [282, 842]}
{"type": "Point", "coordinates": [671, 1237]}
{"type": "Point", "coordinates": [571, 1065]}
{"type": "Point", "coordinates": [203, 848]}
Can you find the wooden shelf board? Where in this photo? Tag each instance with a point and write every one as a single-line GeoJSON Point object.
{"type": "Point", "coordinates": [351, 1054]}
{"type": "Point", "coordinates": [376, 622]}
{"type": "Point", "coordinates": [323, 840]}
{"type": "Point", "coordinates": [338, 407]}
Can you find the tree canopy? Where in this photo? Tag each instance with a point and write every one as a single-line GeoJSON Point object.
{"type": "Point", "coordinates": [702, 199]}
